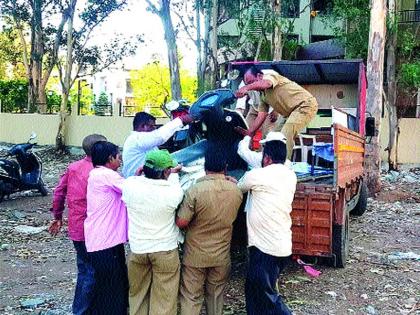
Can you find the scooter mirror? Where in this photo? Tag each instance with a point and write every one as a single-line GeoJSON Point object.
{"type": "Point", "coordinates": [172, 105]}
{"type": "Point", "coordinates": [233, 75]}
{"type": "Point", "coordinates": [33, 136]}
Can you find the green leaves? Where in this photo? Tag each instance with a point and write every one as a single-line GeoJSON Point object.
{"type": "Point", "coordinates": [14, 95]}
{"type": "Point", "coordinates": [355, 15]}
{"type": "Point", "coordinates": [151, 86]}
{"type": "Point", "coordinates": [410, 74]}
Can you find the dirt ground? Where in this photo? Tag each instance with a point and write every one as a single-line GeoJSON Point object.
{"type": "Point", "coordinates": [38, 272]}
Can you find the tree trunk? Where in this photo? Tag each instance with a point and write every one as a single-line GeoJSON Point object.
{"type": "Point", "coordinates": [165, 15]}
{"type": "Point", "coordinates": [37, 54]}
{"type": "Point", "coordinates": [206, 53]}
{"type": "Point", "coordinates": [214, 66]}
{"type": "Point", "coordinates": [60, 139]}
{"type": "Point", "coordinates": [276, 38]}
{"type": "Point", "coordinates": [60, 142]}
{"type": "Point", "coordinates": [392, 89]}
{"type": "Point", "coordinates": [375, 66]}
{"type": "Point", "coordinates": [200, 55]}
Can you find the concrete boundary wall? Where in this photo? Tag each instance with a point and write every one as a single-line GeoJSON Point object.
{"type": "Point", "coordinates": [408, 140]}
{"type": "Point", "coordinates": [16, 128]}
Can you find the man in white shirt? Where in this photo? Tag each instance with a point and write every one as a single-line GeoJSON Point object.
{"type": "Point", "coordinates": [271, 188]}
{"type": "Point", "coordinates": [254, 158]}
{"type": "Point", "coordinates": [153, 265]}
{"type": "Point", "coordinates": [145, 137]}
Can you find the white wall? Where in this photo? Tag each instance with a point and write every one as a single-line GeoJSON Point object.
{"type": "Point", "coordinates": [16, 128]}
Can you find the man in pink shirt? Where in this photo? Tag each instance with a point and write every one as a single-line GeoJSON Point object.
{"type": "Point", "coordinates": [72, 186]}
{"type": "Point", "coordinates": [106, 231]}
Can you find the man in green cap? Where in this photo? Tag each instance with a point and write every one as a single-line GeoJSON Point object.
{"type": "Point", "coordinates": [153, 265]}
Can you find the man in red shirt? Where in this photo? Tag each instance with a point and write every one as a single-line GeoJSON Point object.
{"type": "Point", "coordinates": [73, 186]}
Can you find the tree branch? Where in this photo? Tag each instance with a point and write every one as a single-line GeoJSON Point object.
{"type": "Point", "coordinates": [60, 71]}
{"type": "Point", "coordinates": [57, 42]}
{"type": "Point", "coordinates": [153, 8]}
{"type": "Point", "coordinates": [186, 27]}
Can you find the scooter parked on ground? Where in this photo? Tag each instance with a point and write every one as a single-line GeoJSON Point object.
{"type": "Point", "coordinates": [23, 172]}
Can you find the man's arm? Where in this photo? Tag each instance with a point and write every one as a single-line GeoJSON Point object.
{"type": "Point", "coordinates": [248, 181]}
{"type": "Point", "coordinates": [260, 85]}
{"type": "Point", "coordinates": [253, 158]}
{"type": "Point", "coordinates": [59, 200]}
{"type": "Point", "coordinates": [258, 122]}
{"type": "Point", "coordinates": [159, 136]}
{"type": "Point", "coordinates": [116, 181]}
{"type": "Point", "coordinates": [186, 211]}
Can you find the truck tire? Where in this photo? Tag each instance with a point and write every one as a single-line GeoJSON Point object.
{"type": "Point", "coordinates": [341, 242]}
{"type": "Point", "coordinates": [1, 191]}
{"type": "Point", "coordinates": [41, 188]}
{"type": "Point", "coordinates": [361, 205]}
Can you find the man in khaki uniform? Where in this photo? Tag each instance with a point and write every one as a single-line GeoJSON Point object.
{"type": "Point", "coordinates": [248, 107]}
{"type": "Point", "coordinates": [285, 97]}
{"type": "Point", "coordinates": [208, 211]}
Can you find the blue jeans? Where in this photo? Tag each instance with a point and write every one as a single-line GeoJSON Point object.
{"type": "Point", "coordinates": [85, 281]}
{"type": "Point", "coordinates": [260, 286]}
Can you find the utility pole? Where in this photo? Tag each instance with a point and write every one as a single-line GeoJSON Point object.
{"type": "Point", "coordinates": [375, 70]}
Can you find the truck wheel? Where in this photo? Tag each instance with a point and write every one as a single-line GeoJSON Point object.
{"type": "Point", "coordinates": [361, 205]}
{"type": "Point", "coordinates": [1, 191]}
{"type": "Point", "coordinates": [41, 188]}
{"type": "Point", "coordinates": [341, 242]}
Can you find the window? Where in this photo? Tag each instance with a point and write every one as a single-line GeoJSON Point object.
{"type": "Point", "coordinates": [318, 38]}
{"type": "Point", "coordinates": [290, 8]}
{"type": "Point", "coordinates": [128, 87]}
{"type": "Point", "coordinates": [322, 6]}
{"type": "Point", "coordinates": [292, 37]}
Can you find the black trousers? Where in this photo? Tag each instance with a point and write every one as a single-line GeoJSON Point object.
{"type": "Point", "coordinates": [260, 286]}
{"type": "Point", "coordinates": [111, 281]}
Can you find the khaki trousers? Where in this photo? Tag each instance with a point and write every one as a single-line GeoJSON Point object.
{"type": "Point", "coordinates": [198, 284]}
{"type": "Point", "coordinates": [154, 283]}
{"type": "Point", "coordinates": [296, 121]}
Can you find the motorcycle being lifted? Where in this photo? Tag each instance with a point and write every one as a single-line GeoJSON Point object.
{"type": "Point", "coordinates": [187, 135]}
{"type": "Point", "coordinates": [23, 172]}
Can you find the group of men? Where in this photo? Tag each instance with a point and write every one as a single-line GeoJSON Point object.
{"type": "Point", "coordinates": [158, 210]}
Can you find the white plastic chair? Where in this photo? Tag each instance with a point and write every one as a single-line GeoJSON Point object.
{"type": "Point", "coordinates": [304, 149]}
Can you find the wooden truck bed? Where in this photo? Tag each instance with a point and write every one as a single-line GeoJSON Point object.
{"type": "Point", "coordinates": [318, 205]}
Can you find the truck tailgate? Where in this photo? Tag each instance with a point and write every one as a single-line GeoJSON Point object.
{"type": "Point", "coordinates": [312, 221]}
{"type": "Point", "coordinates": [349, 150]}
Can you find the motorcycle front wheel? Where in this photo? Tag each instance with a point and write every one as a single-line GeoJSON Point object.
{"type": "Point", "coordinates": [41, 188]}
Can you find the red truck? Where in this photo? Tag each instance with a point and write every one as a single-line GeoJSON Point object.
{"type": "Point", "coordinates": [322, 206]}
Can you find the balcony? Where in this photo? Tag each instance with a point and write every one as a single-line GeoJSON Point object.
{"type": "Point", "coordinates": [409, 16]}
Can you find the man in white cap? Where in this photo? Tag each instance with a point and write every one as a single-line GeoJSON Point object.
{"type": "Point", "coordinates": [271, 191]}
{"type": "Point", "coordinates": [254, 158]}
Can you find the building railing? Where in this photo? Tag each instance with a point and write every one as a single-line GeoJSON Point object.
{"type": "Point", "coordinates": [131, 110]}
{"type": "Point", "coordinates": [409, 16]}
{"type": "Point", "coordinates": [103, 110]}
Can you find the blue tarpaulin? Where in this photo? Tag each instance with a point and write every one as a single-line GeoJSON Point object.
{"type": "Point", "coordinates": [324, 150]}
